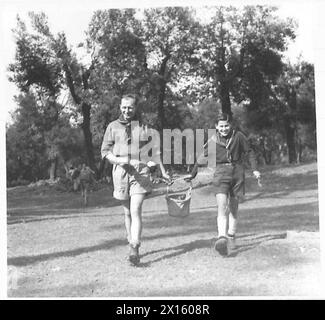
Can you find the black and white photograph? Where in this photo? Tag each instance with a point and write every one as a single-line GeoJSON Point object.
{"type": "Point", "coordinates": [162, 149]}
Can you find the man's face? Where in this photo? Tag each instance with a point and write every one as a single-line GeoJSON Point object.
{"type": "Point", "coordinates": [127, 108]}
{"type": "Point", "coordinates": [223, 127]}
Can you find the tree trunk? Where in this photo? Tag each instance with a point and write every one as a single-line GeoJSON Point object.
{"type": "Point", "coordinates": [225, 97]}
{"type": "Point", "coordinates": [290, 137]}
{"type": "Point", "coordinates": [53, 168]}
{"type": "Point", "coordinates": [160, 107]}
{"type": "Point", "coordinates": [85, 107]}
{"type": "Point", "coordinates": [162, 93]}
{"type": "Point", "coordinates": [291, 124]}
{"type": "Point", "coordinates": [224, 84]}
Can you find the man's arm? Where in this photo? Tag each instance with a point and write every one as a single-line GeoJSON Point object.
{"type": "Point", "coordinates": [107, 148]}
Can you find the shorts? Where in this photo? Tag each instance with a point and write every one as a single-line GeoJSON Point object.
{"type": "Point", "coordinates": [229, 179]}
{"type": "Point", "coordinates": [129, 181]}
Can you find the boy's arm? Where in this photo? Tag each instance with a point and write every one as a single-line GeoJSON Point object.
{"type": "Point", "coordinates": [159, 162]}
{"type": "Point", "coordinates": [204, 154]}
{"type": "Point", "coordinates": [251, 156]}
{"type": "Point", "coordinates": [164, 174]}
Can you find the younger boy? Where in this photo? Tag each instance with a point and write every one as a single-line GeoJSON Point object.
{"type": "Point", "coordinates": [229, 178]}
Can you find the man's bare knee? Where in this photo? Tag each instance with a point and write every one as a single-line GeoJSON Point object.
{"type": "Point", "coordinates": [136, 203]}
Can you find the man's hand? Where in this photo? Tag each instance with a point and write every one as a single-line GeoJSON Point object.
{"type": "Point", "coordinates": [151, 164]}
{"type": "Point", "coordinates": [122, 161]}
{"type": "Point", "coordinates": [134, 162]}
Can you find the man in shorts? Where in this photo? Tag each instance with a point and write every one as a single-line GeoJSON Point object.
{"type": "Point", "coordinates": [131, 178]}
{"type": "Point", "coordinates": [229, 178]}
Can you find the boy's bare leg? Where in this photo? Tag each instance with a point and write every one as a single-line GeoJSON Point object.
{"type": "Point", "coordinates": [222, 219]}
{"type": "Point", "coordinates": [127, 218]}
{"type": "Point", "coordinates": [221, 244]}
{"type": "Point", "coordinates": [233, 208]}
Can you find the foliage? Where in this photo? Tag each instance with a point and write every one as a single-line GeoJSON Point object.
{"type": "Point", "coordinates": [239, 50]}
{"type": "Point", "coordinates": [184, 69]}
{"type": "Point", "coordinates": [37, 137]}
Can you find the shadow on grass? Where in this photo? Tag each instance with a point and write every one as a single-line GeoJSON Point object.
{"type": "Point", "coordinates": [179, 250]}
{"type": "Point", "coordinates": [253, 240]}
{"type": "Point", "coordinates": [279, 218]}
{"type": "Point", "coordinates": [274, 218]}
{"type": "Point", "coordinates": [58, 201]}
{"type": "Point", "coordinates": [17, 219]}
{"type": "Point", "coordinates": [284, 217]}
{"type": "Point", "coordinates": [31, 208]}
{"type": "Point", "coordinates": [106, 245]}
{"type": "Point", "coordinates": [254, 221]}
{"type": "Point", "coordinates": [28, 260]}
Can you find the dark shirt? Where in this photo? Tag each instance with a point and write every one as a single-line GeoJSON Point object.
{"type": "Point", "coordinates": [234, 148]}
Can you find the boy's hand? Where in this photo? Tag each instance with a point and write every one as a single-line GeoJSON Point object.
{"type": "Point", "coordinates": [166, 176]}
{"type": "Point", "coordinates": [191, 176]}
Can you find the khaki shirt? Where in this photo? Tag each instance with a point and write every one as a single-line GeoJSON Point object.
{"type": "Point", "coordinates": [122, 139]}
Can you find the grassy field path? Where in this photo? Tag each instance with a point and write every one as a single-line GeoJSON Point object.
{"type": "Point", "coordinates": [57, 248]}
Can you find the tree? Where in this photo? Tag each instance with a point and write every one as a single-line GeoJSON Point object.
{"type": "Point", "coordinates": [240, 49]}
{"type": "Point", "coordinates": [46, 65]}
{"type": "Point", "coordinates": [25, 147]}
{"type": "Point", "coordinates": [114, 35]}
{"type": "Point", "coordinates": [37, 142]}
{"type": "Point", "coordinates": [154, 44]}
{"type": "Point", "coordinates": [170, 36]}
{"type": "Point", "coordinates": [294, 96]}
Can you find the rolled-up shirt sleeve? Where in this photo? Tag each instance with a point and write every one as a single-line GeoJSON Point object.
{"type": "Point", "coordinates": [108, 142]}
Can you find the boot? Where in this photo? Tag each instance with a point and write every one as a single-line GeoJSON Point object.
{"type": "Point", "coordinates": [134, 257]}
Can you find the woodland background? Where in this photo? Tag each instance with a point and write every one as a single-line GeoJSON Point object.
{"type": "Point", "coordinates": [185, 69]}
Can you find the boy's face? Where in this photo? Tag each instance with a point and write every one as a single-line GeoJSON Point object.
{"type": "Point", "coordinates": [127, 108]}
{"type": "Point", "coordinates": [223, 127]}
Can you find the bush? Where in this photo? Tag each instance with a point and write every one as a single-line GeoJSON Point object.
{"type": "Point", "coordinates": [18, 182]}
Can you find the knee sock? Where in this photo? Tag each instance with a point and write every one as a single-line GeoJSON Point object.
{"type": "Point", "coordinates": [232, 225]}
{"type": "Point", "coordinates": [222, 225]}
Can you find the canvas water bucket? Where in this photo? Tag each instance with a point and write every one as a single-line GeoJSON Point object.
{"type": "Point", "coordinates": [178, 202]}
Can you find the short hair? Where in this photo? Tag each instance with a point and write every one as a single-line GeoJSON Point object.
{"type": "Point", "coordinates": [224, 117]}
{"type": "Point", "coordinates": [132, 96]}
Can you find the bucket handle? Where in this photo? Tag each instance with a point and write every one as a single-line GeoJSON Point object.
{"type": "Point", "coordinates": [181, 178]}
